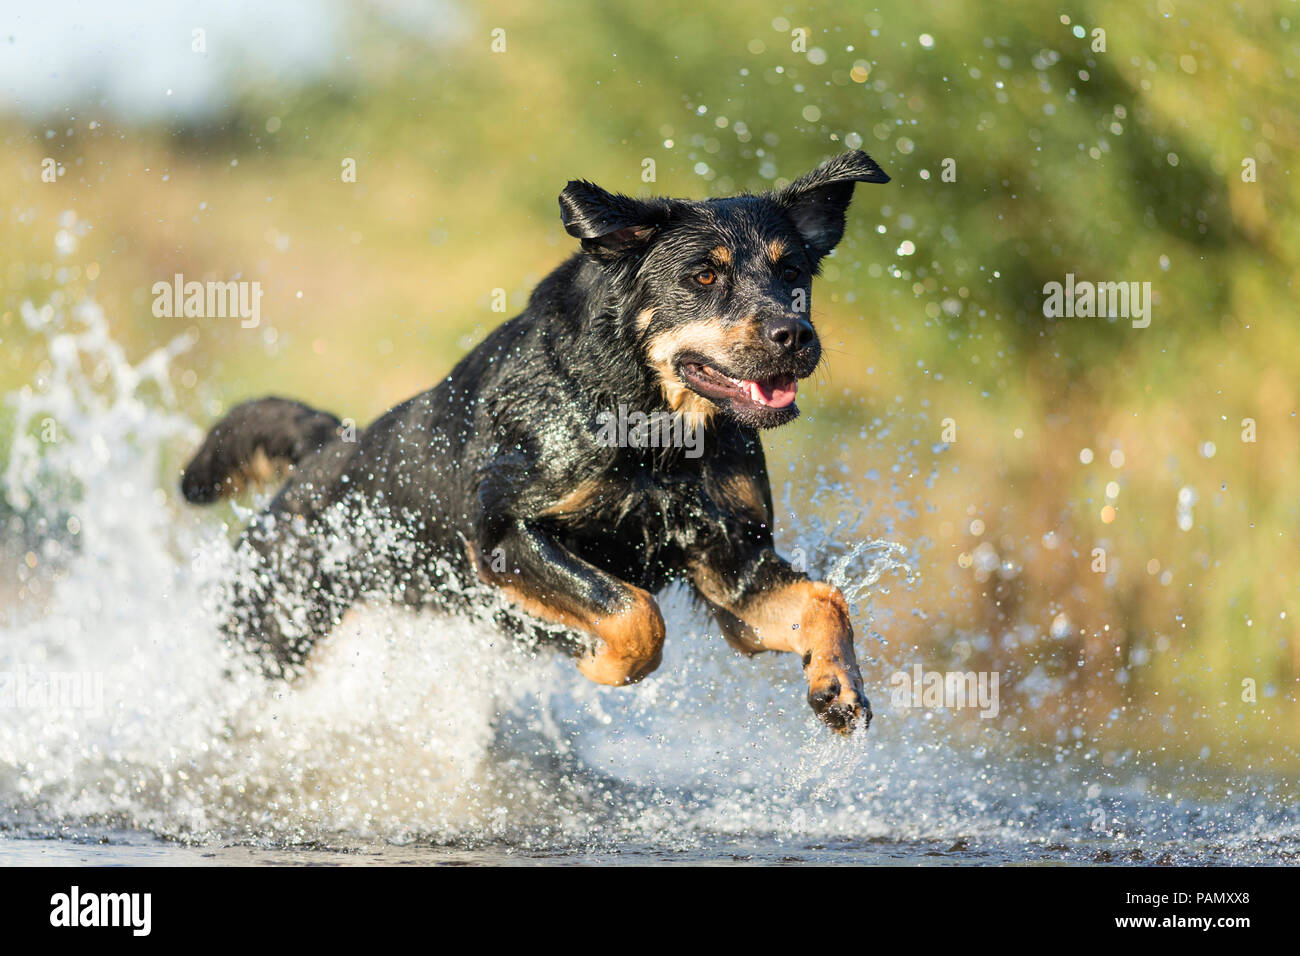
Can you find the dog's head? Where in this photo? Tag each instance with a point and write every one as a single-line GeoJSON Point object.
{"type": "Point", "coordinates": [716, 293]}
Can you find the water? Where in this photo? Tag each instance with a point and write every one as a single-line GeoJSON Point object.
{"type": "Point", "coordinates": [427, 738]}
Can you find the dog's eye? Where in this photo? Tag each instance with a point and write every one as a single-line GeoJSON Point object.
{"type": "Point", "coordinates": [706, 277]}
{"type": "Point", "coordinates": [789, 273]}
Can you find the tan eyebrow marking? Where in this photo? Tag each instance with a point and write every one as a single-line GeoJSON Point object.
{"type": "Point", "coordinates": [775, 250]}
{"type": "Point", "coordinates": [722, 255]}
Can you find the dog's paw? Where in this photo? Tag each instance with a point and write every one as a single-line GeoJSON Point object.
{"type": "Point", "coordinates": [838, 699]}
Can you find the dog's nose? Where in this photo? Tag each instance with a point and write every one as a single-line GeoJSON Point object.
{"type": "Point", "coordinates": [789, 333]}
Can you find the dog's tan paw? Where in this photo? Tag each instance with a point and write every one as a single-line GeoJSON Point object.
{"type": "Point", "coordinates": [836, 696]}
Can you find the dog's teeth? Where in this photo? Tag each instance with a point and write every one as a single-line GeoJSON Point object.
{"type": "Point", "coordinates": [739, 383]}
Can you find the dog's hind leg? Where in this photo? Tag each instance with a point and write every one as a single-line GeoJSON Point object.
{"type": "Point", "coordinates": [282, 600]}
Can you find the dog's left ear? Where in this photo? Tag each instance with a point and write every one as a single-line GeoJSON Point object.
{"type": "Point", "coordinates": [817, 202]}
{"type": "Point", "coordinates": [607, 223]}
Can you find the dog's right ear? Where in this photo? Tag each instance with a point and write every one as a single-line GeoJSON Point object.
{"type": "Point", "coordinates": [608, 224]}
{"type": "Point", "coordinates": [817, 202]}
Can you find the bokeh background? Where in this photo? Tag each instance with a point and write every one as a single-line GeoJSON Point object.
{"type": "Point", "coordinates": [1071, 434]}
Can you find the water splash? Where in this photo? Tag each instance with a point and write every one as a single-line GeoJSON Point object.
{"type": "Point", "coordinates": [429, 729]}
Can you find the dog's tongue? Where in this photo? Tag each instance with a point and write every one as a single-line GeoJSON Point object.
{"type": "Point", "coordinates": [778, 393]}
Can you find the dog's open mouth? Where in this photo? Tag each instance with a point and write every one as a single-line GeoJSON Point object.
{"type": "Point", "coordinates": [775, 392]}
{"type": "Point", "coordinates": [759, 401]}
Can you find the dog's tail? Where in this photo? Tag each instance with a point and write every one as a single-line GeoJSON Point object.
{"type": "Point", "coordinates": [255, 443]}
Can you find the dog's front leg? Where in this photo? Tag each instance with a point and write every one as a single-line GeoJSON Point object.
{"type": "Point", "coordinates": [763, 604]}
{"type": "Point", "coordinates": [552, 583]}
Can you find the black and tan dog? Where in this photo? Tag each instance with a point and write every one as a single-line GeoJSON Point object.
{"type": "Point", "coordinates": [674, 308]}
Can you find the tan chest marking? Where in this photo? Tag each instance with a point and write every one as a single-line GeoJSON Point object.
{"type": "Point", "coordinates": [741, 492]}
{"type": "Point", "coordinates": [585, 496]}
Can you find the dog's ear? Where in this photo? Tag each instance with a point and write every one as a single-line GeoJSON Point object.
{"type": "Point", "coordinates": [608, 224]}
{"type": "Point", "coordinates": [817, 202]}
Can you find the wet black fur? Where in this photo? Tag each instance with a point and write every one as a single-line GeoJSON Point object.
{"type": "Point", "coordinates": [470, 472]}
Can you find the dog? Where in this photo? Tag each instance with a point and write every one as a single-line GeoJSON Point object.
{"type": "Point", "coordinates": [693, 311]}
